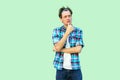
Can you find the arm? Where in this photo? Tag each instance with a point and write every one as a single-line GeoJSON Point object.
{"type": "Point", "coordinates": [59, 45]}
{"type": "Point", "coordinates": [76, 49]}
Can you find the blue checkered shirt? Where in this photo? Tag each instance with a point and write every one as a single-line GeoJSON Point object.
{"type": "Point", "coordinates": [75, 39]}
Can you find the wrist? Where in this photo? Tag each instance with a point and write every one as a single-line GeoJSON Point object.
{"type": "Point", "coordinates": [67, 33]}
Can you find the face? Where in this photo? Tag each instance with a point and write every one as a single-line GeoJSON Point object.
{"type": "Point", "coordinates": [66, 18]}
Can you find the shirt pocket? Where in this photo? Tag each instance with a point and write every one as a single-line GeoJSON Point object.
{"type": "Point", "coordinates": [72, 41]}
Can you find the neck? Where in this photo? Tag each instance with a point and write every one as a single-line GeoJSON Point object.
{"type": "Point", "coordinates": [65, 26]}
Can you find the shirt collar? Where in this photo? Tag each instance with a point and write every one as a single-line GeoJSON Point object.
{"type": "Point", "coordinates": [63, 28]}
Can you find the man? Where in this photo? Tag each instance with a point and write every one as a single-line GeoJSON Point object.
{"type": "Point", "coordinates": [68, 43]}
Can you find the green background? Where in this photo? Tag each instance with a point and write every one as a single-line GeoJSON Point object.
{"type": "Point", "coordinates": [26, 44]}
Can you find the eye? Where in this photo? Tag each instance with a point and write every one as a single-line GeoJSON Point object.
{"type": "Point", "coordinates": [65, 16]}
{"type": "Point", "coordinates": [69, 15]}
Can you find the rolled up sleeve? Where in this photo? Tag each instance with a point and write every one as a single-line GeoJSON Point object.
{"type": "Point", "coordinates": [79, 41]}
{"type": "Point", "coordinates": [55, 36]}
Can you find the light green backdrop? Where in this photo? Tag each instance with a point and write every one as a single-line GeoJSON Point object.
{"type": "Point", "coordinates": [26, 44]}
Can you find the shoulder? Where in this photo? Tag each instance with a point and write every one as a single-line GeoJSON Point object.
{"type": "Point", "coordinates": [57, 29]}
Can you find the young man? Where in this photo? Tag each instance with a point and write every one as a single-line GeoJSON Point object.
{"type": "Point", "coordinates": [68, 43]}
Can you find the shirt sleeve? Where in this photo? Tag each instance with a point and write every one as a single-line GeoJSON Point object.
{"type": "Point", "coordinates": [80, 39]}
{"type": "Point", "coordinates": [55, 36]}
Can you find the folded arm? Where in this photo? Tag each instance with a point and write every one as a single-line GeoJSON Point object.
{"type": "Point", "coordinates": [76, 49]}
{"type": "Point", "coordinates": [59, 45]}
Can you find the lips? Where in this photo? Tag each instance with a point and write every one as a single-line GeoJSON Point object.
{"type": "Point", "coordinates": [68, 21]}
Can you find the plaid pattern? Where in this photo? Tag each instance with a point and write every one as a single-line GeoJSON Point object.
{"type": "Point", "coordinates": [75, 39]}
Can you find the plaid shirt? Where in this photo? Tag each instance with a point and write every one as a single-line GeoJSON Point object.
{"type": "Point", "coordinates": [75, 39]}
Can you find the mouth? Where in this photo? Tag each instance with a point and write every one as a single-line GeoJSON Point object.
{"type": "Point", "coordinates": [68, 21]}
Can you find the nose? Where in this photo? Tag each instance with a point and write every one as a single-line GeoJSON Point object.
{"type": "Point", "coordinates": [68, 18]}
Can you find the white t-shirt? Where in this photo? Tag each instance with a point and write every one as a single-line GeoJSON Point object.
{"type": "Point", "coordinates": [67, 58]}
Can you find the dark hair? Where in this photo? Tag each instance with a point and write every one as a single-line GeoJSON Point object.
{"type": "Point", "coordinates": [64, 9]}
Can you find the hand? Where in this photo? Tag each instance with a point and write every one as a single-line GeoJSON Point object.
{"type": "Point", "coordinates": [55, 50]}
{"type": "Point", "coordinates": [69, 28]}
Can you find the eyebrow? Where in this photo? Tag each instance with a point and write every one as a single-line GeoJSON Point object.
{"type": "Point", "coordinates": [67, 15]}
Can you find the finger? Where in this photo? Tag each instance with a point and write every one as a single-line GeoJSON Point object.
{"type": "Point", "coordinates": [68, 24]}
{"type": "Point", "coordinates": [54, 49]}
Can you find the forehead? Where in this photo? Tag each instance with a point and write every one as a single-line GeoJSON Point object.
{"type": "Point", "coordinates": [65, 13]}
